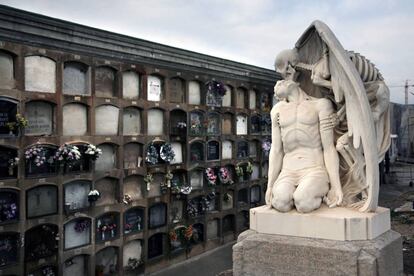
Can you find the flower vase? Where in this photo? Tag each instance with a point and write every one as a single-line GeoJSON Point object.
{"type": "Point", "coordinates": [168, 183]}
{"type": "Point", "coordinates": [103, 235]}
{"type": "Point", "coordinates": [113, 233]}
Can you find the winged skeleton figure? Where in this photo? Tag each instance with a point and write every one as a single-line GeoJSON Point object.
{"type": "Point", "coordinates": [361, 99]}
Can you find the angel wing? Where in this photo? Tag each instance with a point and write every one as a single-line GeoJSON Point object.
{"type": "Point", "coordinates": [337, 78]}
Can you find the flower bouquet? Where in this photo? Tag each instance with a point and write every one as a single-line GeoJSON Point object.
{"type": "Point", "coordinates": [37, 154]}
{"type": "Point", "coordinates": [211, 176]}
{"type": "Point", "coordinates": [249, 168]}
{"type": "Point", "coordinates": [133, 263]}
{"type": "Point", "coordinates": [93, 152]}
{"type": "Point", "coordinates": [81, 225]}
{"type": "Point", "coordinates": [67, 154]}
{"type": "Point", "coordinates": [93, 195]}
{"type": "Point", "coordinates": [21, 123]}
{"type": "Point", "coordinates": [152, 155]}
{"type": "Point", "coordinates": [148, 179]}
{"type": "Point", "coordinates": [266, 145]}
{"type": "Point", "coordinates": [225, 176]}
{"type": "Point", "coordinates": [8, 211]}
{"type": "Point", "coordinates": [166, 153]}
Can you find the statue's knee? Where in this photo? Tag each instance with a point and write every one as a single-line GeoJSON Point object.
{"type": "Point", "coordinates": [282, 199]}
{"type": "Point", "coordinates": [305, 202]}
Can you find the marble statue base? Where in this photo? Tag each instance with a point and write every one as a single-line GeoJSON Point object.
{"type": "Point", "coordinates": [258, 254]}
{"type": "Point", "coordinates": [340, 224]}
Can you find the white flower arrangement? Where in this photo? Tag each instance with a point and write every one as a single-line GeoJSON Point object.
{"type": "Point", "coordinates": [67, 154]}
{"type": "Point", "coordinates": [93, 151]}
{"type": "Point", "coordinates": [37, 154]}
{"type": "Point", "coordinates": [93, 195]}
{"type": "Point", "coordinates": [13, 162]}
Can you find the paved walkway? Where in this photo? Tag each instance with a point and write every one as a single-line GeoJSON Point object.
{"type": "Point", "coordinates": [207, 264]}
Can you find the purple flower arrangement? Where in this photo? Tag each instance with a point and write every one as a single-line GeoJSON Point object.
{"type": "Point", "coordinates": [81, 225]}
{"type": "Point", "coordinates": [211, 176]}
{"type": "Point", "coordinates": [37, 154]}
{"type": "Point", "coordinates": [67, 154]}
{"type": "Point", "coordinates": [266, 145]}
{"type": "Point", "coordinates": [216, 87]}
{"type": "Point", "coordinates": [8, 211]}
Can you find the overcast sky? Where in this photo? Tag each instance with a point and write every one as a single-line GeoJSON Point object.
{"type": "Point", "coordinates": [254, 31]}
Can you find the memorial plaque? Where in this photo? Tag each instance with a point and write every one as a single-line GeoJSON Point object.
{"type": "Point", "coordinates": [155, 245]}
{"type": "Point", "coordinates": [196, 179]}
{"type": "Point", "coordinates": [8, 110]}
{"type": "Point", "coordinates": [226, 124]}
{"type": "Point", "coordinates": [132, 250]}
{"type": "Point", "coordinates": [40, 118]}
{"type": "Point", "coordinates": [194, 94]}
{"type": "Point", "coordinates": [196, 152]}
{"type": "Point", "coordinates": [155, 122]}
{"type": "Point", "coordinates": [106, 161]}
{"type": "Point", "coordinates": [108, 188]}
{"type": "Point", "coordinates": [133, 186]}
{"type": "Point", "coordinates": [40, 74]}
{"type": "Point", "coordinates": [76, 79]}
{"type": "Point", "coordinates": [77, 265]}
{"type": "Point", "coordinates": [178, 151]}
{"type": "Point", "coordinates": [6, 71]}
{"type": "Point", "coordinates": [226, 101]}
{"type": "Point", "coordinates": [252, 99]}
{"type": "Point", "coordinates": [133, 155]}
{"type": "Point", "coordinates": [9, 248]}
{"type": "Point", "coordinates": [242, 149]}
{"type": "Point", "coordinates": [157, 215]}
{"type": "Point", "coordinates": [107, 227]}
{"type": "Point", "coordinates": [213, 124]}
{"type": "Point", "coordinates": [107, 261]}
{"type": "Point", "coordinates": [105, 82]}
{"type": "Point", "coordinates": [9, 205]}
{"type": "Point", "coordinates": [154, 89]}
{"type": "Point", "coordinates": [41, 201]}
{"type": "Point", "coordinates": [132, 121]}
{"type": "Point", "coordinates": [75, 119]}
{"type": "Point", "coordinates": [77, 233]}
{"type": "Point", "coordinates": [134, 220]}
{"type": "Point", "coordinates": [176, 90]}
{"type": "Point", "coordinates": [106, 120]}
{"type": "Point", "coordinates": [212, 229]}
{"type": "Point", "coordinates": [76, 195]}
{"type": "Point", "coordinates": [130, 85]}
{"type": "Point", "coordinates": [241, 125]}
{"type": "Point", "coordinates": [227, 150]}
{"type": "Point", "coordinates": [7, 155]}
{"type": "Point", "coordinates": [213, 150]}
{"type": "Point", "coordinates": [241, 98]}
{"type": "Point", "coordinates": [228, 224]}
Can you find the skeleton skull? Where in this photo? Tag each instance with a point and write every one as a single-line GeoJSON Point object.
{"type": "Point", "coordinates": [285, 62]}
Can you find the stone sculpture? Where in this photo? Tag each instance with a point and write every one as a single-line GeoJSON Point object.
{"type": "Point", "coordinates": [330, 128]}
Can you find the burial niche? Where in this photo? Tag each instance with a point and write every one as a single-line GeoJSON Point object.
{"type": "Point", "coordinates": [177, 93]}
{"type": "Point", "coordinates": [133, 155]}
{"type": "Point", "coordinates": [6, 70]}
{"type": "Point", "coordinates": [154, 89]}
{"type": "Point", "coordinates": [255, 124]}
{"type": "Point", "coordinates": [77, 265]}
{"type": "Point", "coordinates": [227, 200]}
{"type": "Point", "coordinates": [132, 121]}
{"type": "Point", "coordinates": [106, 261]}
{"type": "Point", "coordinates": [256, 172]}
{"type": "Point", "coordinates": [9, 248]}
{"type": "Point", "coordinates": [130, 85]}
{"type": "Point", "coordinates": [107, 227]}
{"type": "Point", "coordinates": [133, 186]}
{"type": "Point", "coordinates": [40, 118]}
{"type": "Point", "coordinates": [226, 150]}
{"type": "Point", "coordinates": [157, 215]}
{"type": "Point", "coordinates": [176, 210]}
{"type": "Point", "coordinates": [106, 120]}
{"type": "Point", "coordinates": [242, 220]}
{"type": "Point", "coordinates": [83, 164]}
{"type": "Point", "coordinates": [9, 206]}
{"type": "Point", "coordinates": [176, 242]}
{"type": "Point", "coordinates": [197, 151]}
{"type": "Point", "coordinates": [39, 160]}
{"type": "Point", "coordinates": [194, 93]}
{"type": "Point", "coordinates": [255, 195]}
{"type": "Point", "coordinates": [213, 98]}
{"type": "Point", "coordinates": [228, 224]}
{"type": "Point", "coordinates": [41, 201]}
{"type": "Point", "coordinates": [77, 232]}
{"type": "Point", "coordinates": [196, 179]}
{"type": "Point", "coordinates": [266, 124]}
{"type": "Point", "coordinates": [40, 74]}
{"type": "Point", "coordinates": [241, 98]}
{"type": "Point", "coordinates": [212, 229]}
{"type": "Point", "coordinates": [197, 123]}
{"type": "Point", "coordinates": [241, 124]}
{"type": "Point", "coordinates": [252, 99]}
{"type": "Point", "coordinates": [178, 123]}
{"type": "Point", "coordinates": [265, 169]}
{"type": "Point", "coordinates": [44, 270]}
{"type": "Point", "coordinates": [243, 197]}
{"type": "Point", "coordinates": [134, 220]}
{"type": "Point", "coordinates": [253, 148]}
{"type": "Point", "coordinates": [107, 160]}
{"type": "Point", "coordinates": [105, 82]}
{"type": "Point", "coordinates": [226, 101]}
{"type": "Point", "coordinates": [76, 78]}
{"type": "Point", "coordinates": [242, 149]}
{"type": "Point", "coordinates": [108, 188]}
{"type": "Point", "coordinates": [8, 110]}
{"type": "Point", "coordinates": [155, 185]}
{"type": "Point", "coordinates": [227, 124]}
{"type": "Point", "coordinates": [75, 119]}
{"type": "Point", "coordinates": [266, 102]}
{"type": "Point", "coordinates": [198, 233]}
{"type": "Point", "coordinates": [76, 195]}
{"type": "Point", "coordinates": [213, 150]}
{"type": "Point", "coordinates": [132, 255]}
{"type": "Point", "coordinates": [213, 124]}
{"type": "Point", "coordinates": [156, 245]}
{"type": "Point", "coordinates": [41, 242]}
{"type": "Point", "coordinates": [155, 121]}
{"type": "Point", "coordinates": [8, 162]}
{"type": "Point", "coordinates": [177, 148]}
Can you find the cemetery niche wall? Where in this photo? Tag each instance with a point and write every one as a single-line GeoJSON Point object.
{"type": "Point", "coordinates": [105, 155]}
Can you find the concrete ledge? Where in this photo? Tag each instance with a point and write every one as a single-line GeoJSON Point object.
{"type": "Point", "coordinates": [262, 254]}
{"type": "Point", "coordinates": [340, 224]}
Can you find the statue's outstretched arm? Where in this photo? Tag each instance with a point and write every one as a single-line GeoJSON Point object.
{"type": "Point", "coordinates": [276, 154]}
{"type": "Point", "coordinates": [330, 154]}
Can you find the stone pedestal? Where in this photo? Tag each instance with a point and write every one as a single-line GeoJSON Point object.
{"type": "Point", "coordinates": [269, 254]}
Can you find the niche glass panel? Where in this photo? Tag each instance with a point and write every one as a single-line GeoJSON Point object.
{"type": "Point", "coordinates": [253, 148]}
{"type": "Point", "coordinates": [212, 229]}
{"type": "Point", "coordinates": [194, 93]}
{"type": "Point", "coordinates": [256, 172]}
{"type": "Point", "coordinates": [178, 123]}
{"type": "Point", "coordinates": [9, 248]}
{"type": "Point", "coordinates": [105, 82]}
{"type": "Point", "coordinates": [255, 124]}
{"type": "Point", "coordinates": [176, 211]}
{"type": "Point", "coordinates": [7, 161]}
{"type": "Point", "coordinates": [75, 78]}
{"type": "Point", "coordinates": [132, 121]}
{"type": "Point", "coordinates": [241, 125]}
{"type": "Point", "coordinates": [130, 85]}
{"type": "Point", "coordinates": [76, 195]}
{"type": "Point", "coordinates": [197, 123]}
{"type": "Point", "coordinates": [228, 224]}
{"type": "Point", "coordinates": [252, 99]}
{"type": "Point", "coordinates": [77, 233]}
{"type": "Point", "coordinates": [8, 110]}
{"type": "Point", "coordinates": [243, 197]}
{"type": "Point", "coordinates": [133, 155]}
{"type": "Point", "coordinates": [40, 118]}
{"type": "Point", "coordinates": [198, 233]}
{"type": "Point", "coordinates": [265, 169]}
{"type": "Point", "coordinates": [75, 119]}
{"type": "Point", "coordinates": [177, 94]}
{"type": "Point", "coordinates": [226, 150]}
{"type": "Point", "coordinates": [243, 220]}
{"type": "Point", "coordinates": [106, 120]}
{"type": "Point", "coordinates": [157, 215]}
{"type": "Point", "coordinates": [133, 220]}
{"type": "Point", "coordinates": [106, 261]}
{"type": "Point", "coordinates": [241, 98]}
{"type": "Point", "coordinates": [196, 152]}
{"type": "Point", "coordinates": [196, 179]}
{"type": "Point", "coordinates": [155, 122]}
{"type": "Point", "coordinates": [108, 188]}
{"type": "Point", "coordinates": [106, 160]}
{"type": "Point", "coordinates": [266, 124]}
{"type": "Point", "coordinates": [6, 71]}
{"type": "Point", "coordinates": [178, 151]}
{"type": "Point", "coordinates": [107, 227]}
{"type": "Point", "coordinates": [9, 206]}
{"type": "Point", "coordinates": [132, 253]}
{"type": "Point", "coordinates": [227, 200]}
{"type": "Point", "coordinates": [213, 124]}
{"type": "Point", "coordinates": [266, 102]}
{"type": "Point", "coordinates": [226, 101]}
{"type": "Point", "coordinates": [155, 245]}
{"type": "Point", "coordinates": [41, 201]}
{"type": "Point", "coordinates": [242, 149]}
{"type": "Point", "coordinates": [133, 186]}
{"type": "Point", "coordinates": [41, 242]}
{"type": "Point", "coordinates": [213, 150]}
{"type": "Point", "coordinates": [39, 74]}
{"type": "Point", "coordinates": [213, 99]}
{"type": "Point", "coordinates": [154, 89]}
{"type": "Point", "coordinates": [255, 195]}
{"type": "Point", "coordinates": [226, 124]}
